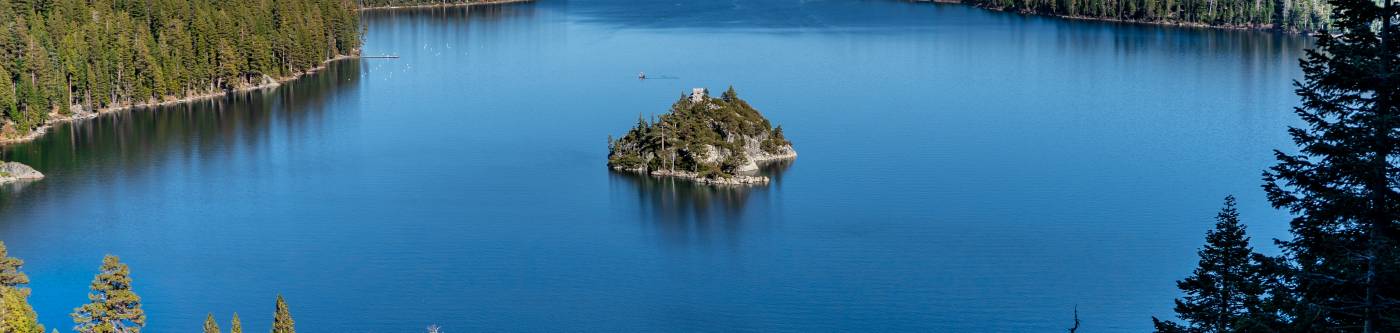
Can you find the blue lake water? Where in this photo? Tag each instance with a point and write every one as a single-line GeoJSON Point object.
{"type": "Point", "coordinates": [959, 170]}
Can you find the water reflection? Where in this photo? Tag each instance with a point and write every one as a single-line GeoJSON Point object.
{"type": "Point", "coordinates": [131, 144]}
{"type": "Point", "coordinates": [685, 212]}
{"type": "Point", "coordinates": [445, 16]}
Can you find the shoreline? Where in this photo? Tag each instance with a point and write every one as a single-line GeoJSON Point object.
{"type": "Point", "coordinates": [74, 116]}
{"type": "Point", "coordinates": [734, 180]}
{"type": "Point", "coordinates": [441, 5]}
{"type": "Point", "coordinates": [77, 113]}
{"type": "Point", "coordinates": [1177, 24]}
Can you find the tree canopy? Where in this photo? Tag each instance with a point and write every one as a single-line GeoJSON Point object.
{"type": "Point", "coordinates": [113, 306]}
{"type": "Point", "coordinates": [10, 274]}
{"type": "Point", "coordinates": [56, 54]}
{"type": "Point", "coordinates": [282, 318]}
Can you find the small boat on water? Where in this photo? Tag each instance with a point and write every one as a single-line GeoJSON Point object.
{"type": "Point", "coordinates": [642, 75]}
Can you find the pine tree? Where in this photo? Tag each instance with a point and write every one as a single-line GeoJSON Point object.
{"type": "Point", "coordinates": [211, 326]}
{"type": "Point", "coordinates": [10, 276]}
{"type": "Point", "coordinates": [729, 95]}
{"type": "Point", "coordinates": [1224, 291]}
{"type": "Point", "coordinates": [1341, 186]}
{"type": "Point", "coordinates": [16, 316]}
{"type": "Point", "coordinates": [236, 326]}
{"type": "Point", "coordinates": [113, 307]}
{"type": "Point", "coordinates": [282, 320]}
{"type": "Point", "coordinates": [9, 104]}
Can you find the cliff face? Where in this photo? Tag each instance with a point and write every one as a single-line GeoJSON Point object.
{"type": "Point", "coordinates": [713, 140]}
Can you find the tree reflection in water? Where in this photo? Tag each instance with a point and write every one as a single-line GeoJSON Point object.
{"type": "Point", "coordinates": [685, 212]}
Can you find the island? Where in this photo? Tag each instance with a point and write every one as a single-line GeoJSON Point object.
{"type": "Point", "coordinates": [15, 171]}
{"type": "Point", "coordinates": [713, 141]}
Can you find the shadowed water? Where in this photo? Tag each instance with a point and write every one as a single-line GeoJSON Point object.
{"type": "Point", "coordinates": [960, 170]}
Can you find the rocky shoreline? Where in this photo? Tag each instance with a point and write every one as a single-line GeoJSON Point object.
{"type": "Point", "coordinates": [733, 180]}
{"type": "Point", "coordinates": [80, 114]}
{"type": "Point", "coordinates": [15, 171]}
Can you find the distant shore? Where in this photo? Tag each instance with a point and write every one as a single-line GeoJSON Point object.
{"type": "Point", "coordinates": [1180, 24]}
{"type": "Point", "coordinates": [79, 114]}
{"type": "Point", "coordinates": [442, 5]}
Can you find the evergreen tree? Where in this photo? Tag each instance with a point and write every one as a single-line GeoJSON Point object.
{"type": "Point", "coordinates": [211, 326]}
{"type": "Point", "coordinates": [9, 105]}
{"type": "Point", "coordinates": [10, 276]}
{"type": "Point", "coordinates": [236, 326]}
{"type": "Point", "coordinates": [16, 316]}
{"type": "Point", "coordinates": [729, 95]}
{"type": "Point", "coordinates": [282, 320]}
{"type": "Point", "coordinates": [1342, 185]}
{"type": "Point", "coordinates": [105, 53]}
{"type": "Point", "coordinates": [113, 307]}
{"type": "Point", "coordinates": [1224, 292]}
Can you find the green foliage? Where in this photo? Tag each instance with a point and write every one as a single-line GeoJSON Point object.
{"type": "Point", "coordinates": [113, 306]}
{"type": "Point", "coordinates": [1339, 271]}
{"type": "Point", "coordinates": [282, 320]}
{"type": "Point", "coordinates": [775, 141]}
{"type": "Point", "coordinates": [10, 274]}
{"type": "Point", "coordinates": [105, 53]}
{"type": "Point", "coordinates": [211, 326]}
{"type": "Point", "coordinates": [9, 105]}
{"type": "Point", "coordinates": [236, 326]}
{"type": "Point", "coordinates": [16, 315]}
{"type": "Point", "coordinates": [683, 138]}
{"type": "Point", "coordinates": [1226, 291]}
{"type": "Point", "coordinates": [1294, 15]}
{"type": "Point", "coordinates": [392, 3]}
{"type": "Point", "coordinates": [1341, 186]}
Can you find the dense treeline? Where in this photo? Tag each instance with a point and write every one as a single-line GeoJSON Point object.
{"type": "Point", "coordinates": [92, 54]}
{"type": "Point", "coordinates": [393, 3]}
{"type": "Point", "coordinates": [113, 307]}
{"type": "Point", "coordinates": [1289, 15]}
{"type": "Point", "coordinates": [1340, 271]}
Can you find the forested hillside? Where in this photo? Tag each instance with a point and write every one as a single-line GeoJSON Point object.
{"type": "Point", "coordinates": [394, 3]}
{"type": "Point", "coordinates": [1288, 15]}
{"type": "Point", "coordinates": [93, 54]}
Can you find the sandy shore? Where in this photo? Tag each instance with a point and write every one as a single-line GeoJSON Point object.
{"type": "Point", "coordinates": [55, 119]}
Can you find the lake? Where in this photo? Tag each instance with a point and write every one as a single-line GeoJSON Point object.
{"type": "Point", "coordinates": [959, 170]}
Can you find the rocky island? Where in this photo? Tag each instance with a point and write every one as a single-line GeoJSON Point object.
{"type": "Point", "coordinates": [14, 171]}
{"type": "Point", "coordinates": [715, 141]}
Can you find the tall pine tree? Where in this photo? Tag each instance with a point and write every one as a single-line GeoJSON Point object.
{"type": "Point", "coordinates": [113, 306]}
{"type": "Point", "coordinates": [282, 320]}
{"type": "Point", "coordinates": [1224, 292]}
{"type": "Point", "coordinates": [236, 326]}
{"type": "Point", "coordinates": [211, 326]}
{"type": "Point", "coordinates": [1342, 185]}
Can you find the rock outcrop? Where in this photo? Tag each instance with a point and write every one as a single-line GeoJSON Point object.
{"type": "Point", "coordinates": [716, 141]}
{"type": "Point", "coordinates": [14, 171]}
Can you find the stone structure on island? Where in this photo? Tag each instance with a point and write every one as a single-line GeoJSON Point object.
{"type": "Point", "coordinates": [716, 141]}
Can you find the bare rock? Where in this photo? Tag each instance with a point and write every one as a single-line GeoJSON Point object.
{"type": "Point", "coordinates": [15, 171]}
